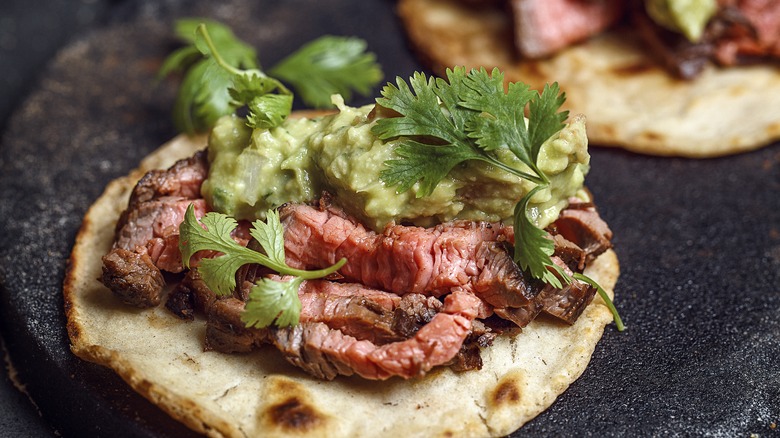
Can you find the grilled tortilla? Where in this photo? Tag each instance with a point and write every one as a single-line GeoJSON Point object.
{"type": "Point", "coordinates": [259, 394]}
{"type": "Point", "coordinates": [630, 101]}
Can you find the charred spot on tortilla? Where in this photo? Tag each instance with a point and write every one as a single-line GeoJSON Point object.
{"type": "Point", "coordinates": [290, 408]}
{"type": "Point", "coordinates": [293, 415]}
{"type": "Point", "coordinates": [507, 392]}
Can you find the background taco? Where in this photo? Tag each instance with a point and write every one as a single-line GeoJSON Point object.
{"type": "Point", "coordinates": [632, 100]}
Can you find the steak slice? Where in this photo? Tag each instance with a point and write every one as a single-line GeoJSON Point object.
{"type": "Point", "coordinates": [321, 346]}
{"type": "Point", "coordinates": [582, 225]}
{"type": "Point", "coordinates": [133, 277]}
{"type": "Point", "coordinates": [182, 180]}
{"type": "Point", "coordinates": [226, 333]}
{"type": "Point", "coordinates": [470, 355]}
{"type": "Point", "coordinates": [413, 312]}
{"type": "Point", "coordinates": [190, 295]}
{"type": "Point", "coordinates": [571, 254]}
{"type": "Point", "coordinates": [566, 303]}
{"type": "Point", "coordinates": [746, 31]}
{"type": "Point", "coordinates": [357, 316]}
{"type": "Point", "coordinates": [542, 27]}
{"type": "Point", "coordinates": [741, 32]}
{"type": "Point", "coordinates": [326, 353]}
{"type": "Point", "coordinates": [154, 225]}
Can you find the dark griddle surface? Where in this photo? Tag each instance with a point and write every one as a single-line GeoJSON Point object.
{"type": "Point", "coordinates": [698, 240]}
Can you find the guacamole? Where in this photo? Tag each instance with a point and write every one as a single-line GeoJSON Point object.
{"type": "Point", "coordinates": [253, 171]}
{"type": "Point", "coordinates": [688, 17]}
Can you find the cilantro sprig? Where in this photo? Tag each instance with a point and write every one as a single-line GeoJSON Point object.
{"type": "Point", "coordinates": [466, 117]}
{"type": "Point", "coordinates": [270, 301]}
{"type": "Point", "coordinates": [222, 74]}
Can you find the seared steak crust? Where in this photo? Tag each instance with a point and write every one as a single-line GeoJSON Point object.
{"type": "Point", "coordinates": [182, 180]}
{"type": "Point", "coordinates": [581, 225]}
{"type": "Point", "coordinates": [154, 226]}
{"type": "Point", "coordinates": [133, 277]}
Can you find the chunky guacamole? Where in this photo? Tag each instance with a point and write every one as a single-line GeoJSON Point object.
{"type": "Point", "coordinates": [254, 170]}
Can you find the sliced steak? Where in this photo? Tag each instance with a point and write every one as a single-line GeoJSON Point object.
{"type": "Point", "coordinates": [741, 32]}
{"type": "Point", "coordinates": [182, 180]}
{"type": "Point", "coordinates": [746, 31]}
{"type": "Point", "coordinates": [542, 27]}
{"type": "Point", "coordinates": [190, 295]}
{"type": "Point", "coordinates": [671, 50]}
{"type": "Point", "coordinates": [321, 351]}
{"type": "Point", "coordinates": [569, 252]}
{"type": "Point", "coordinates": [470, 355]}
{"type": "Point", "coordinates": [413, 312]}
{"type": "Point", "coordinates": [356, 316]}
{"type": "Point", "coordinates": [226, 333]}
{"type": "Point", "coordinates": [156, 209]}
{"type": "Point", "coordinates": [468, 256]}
{"type": "Point", "coordinates": [582, 225]}
{"type": "Point", "coordinates": [133, 277]}
{"type": "Point", "coordinates": [502, 284]}
{"type": "Point", "coordinates": [154, 225]}
{"type": "Point", "coordinates": [325, 352]}
{"type": "Point", "coordinates": [567, 303]}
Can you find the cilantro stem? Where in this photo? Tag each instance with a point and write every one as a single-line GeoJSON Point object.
{"type": "Point", "coordinates": [539, 178]}
{"type": "Point", "coordinates": [607, 300]}
{"type": "Point", "coordinates": [203, 31]}
{"type": "Point", "coordinates": [306, 275]}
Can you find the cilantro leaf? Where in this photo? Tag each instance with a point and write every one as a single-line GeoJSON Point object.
{"type": "Point", "coordinates": [270, 235]}
{"type": "Point", "coordinates": [234, 51]}
{"type": "Point", "coordinates": [203, 95]}
{"type": "Point", "coordinates": [548, 120]}
{"type": "Point", "coordinates": [257, 92]}
{"type": "Point", "coordinates": [179, 60]}
{"type": "Point", "coordinates": [219, 273]}
{"type": "Point", "coordinates": [421, 112]}
{"type": "Point", "coordinates": [330, 65]}
{"type": "Point", "coordinates": [501, 123]}
{"type": "Point", "coordinates": [268, 100]}
{"type": "Point", "coordinates": [273, 301]}
{"type": "Point", "coordinates": [533, 247]}
{"type": "Point", "coordinates": [422, 117]}
{"type": "Point", "coordinates": [424, 163]}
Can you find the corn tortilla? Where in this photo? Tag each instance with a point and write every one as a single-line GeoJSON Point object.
{"type": "Point", "coordinates": [259, 394]}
